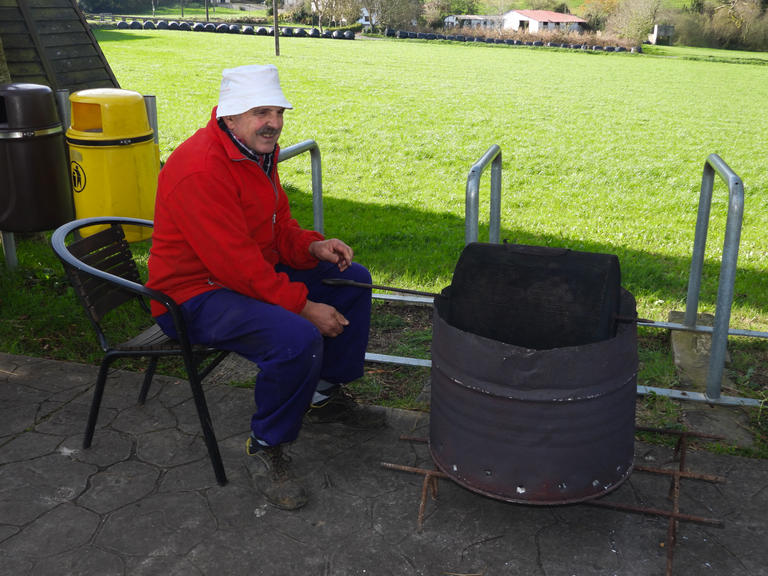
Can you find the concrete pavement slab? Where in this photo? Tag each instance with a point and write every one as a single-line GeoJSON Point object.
{"type": "Point", "coordinates": [143, 499]}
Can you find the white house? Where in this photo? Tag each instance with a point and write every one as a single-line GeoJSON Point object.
{"type": "Point", "coordinates": [542, 20]}
{"type": "Point", "coordinates": [366, 19]}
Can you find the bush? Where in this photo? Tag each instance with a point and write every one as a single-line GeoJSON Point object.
{"type": "Point", "coordinates": [692, 29]}
{"type": "Point", "coordinates": [550, 37]}
{"type": "Point", "coordinates": [741, 25]}
{"type": "Point", "coordinates": [634, 19]}
{"type": "Point", "coordinates": [757, 36]}
{"type": "Point", "coordinates": [301, 16]}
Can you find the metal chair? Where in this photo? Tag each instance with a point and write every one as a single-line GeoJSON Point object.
{"type": "Point", "coordinates": [104, 275]}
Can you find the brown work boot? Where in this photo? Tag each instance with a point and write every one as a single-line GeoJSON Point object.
{"type": "Point", "coordinates": [341, 407]}
{"type": "Point", "coordinates": [273, 477]}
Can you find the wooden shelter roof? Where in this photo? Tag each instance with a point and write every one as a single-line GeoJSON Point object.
{"type": "Point", "coordinates": [49, 42]}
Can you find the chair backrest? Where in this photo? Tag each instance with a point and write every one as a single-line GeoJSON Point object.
{"type": "Point", "coordinates": [109, 252]}
{"type": "Point", "coordinates": [101, 268]}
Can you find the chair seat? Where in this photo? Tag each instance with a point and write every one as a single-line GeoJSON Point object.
{"type": "Point", "coordinates": [153, 338]}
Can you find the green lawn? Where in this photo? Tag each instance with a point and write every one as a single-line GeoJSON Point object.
{"type": "Point", "coordinates": [601, 152]}
{"type": "Point", "coordinates": [708, 54]}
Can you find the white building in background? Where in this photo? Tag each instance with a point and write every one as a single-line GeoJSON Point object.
{"type": "Point", "coordinates": [526, 20]}
{"type": "Point", "coordinates": [661, 34]}
{"type": "Point", "coordinates": [534, 21]}
{"type": "Point", "coordinates": [366, 19]}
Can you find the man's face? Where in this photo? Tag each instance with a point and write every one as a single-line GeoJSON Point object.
{"type": "Point", "coordinates": [258, 128]}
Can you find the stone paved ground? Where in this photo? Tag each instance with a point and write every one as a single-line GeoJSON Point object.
{"type": "Point", "coordinates": [143, 499]}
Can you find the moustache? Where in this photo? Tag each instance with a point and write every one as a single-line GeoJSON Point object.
{"type": "Point", "coordinates": [267, 132]}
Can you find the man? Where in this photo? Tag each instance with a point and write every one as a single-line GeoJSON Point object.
{"type": "Point", "coordinates": [249, 279]}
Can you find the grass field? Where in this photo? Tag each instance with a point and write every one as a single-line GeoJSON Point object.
{"type": "Point", "coordinates": [601, 152]}
{"type": "Point", "coordinates": [707, 54]}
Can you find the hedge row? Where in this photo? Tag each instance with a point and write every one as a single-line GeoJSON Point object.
{"type": "Point", "coordinates": [508, 41]}
{"type": "Point", "coordinates": [234, 29]}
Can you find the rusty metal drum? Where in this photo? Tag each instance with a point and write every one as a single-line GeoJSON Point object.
{"type": "Point", "coordinates": [538, 426]}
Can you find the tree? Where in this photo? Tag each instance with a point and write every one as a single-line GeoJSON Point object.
{"type": "Point", "coordinates": [597, 12]}
{"type": "Point", "coordinates": [435, 11]}
{"type": "Point", "coordinates": [634, 19]}
{"type": "Point", "coordinates": [403, 13]}
{"type": "Point", "coordinates": [321, 8]}
{"type": "Point", "coordinates": [733, 22]}
{"type": "Point", "coordinates": [393, 13]}
{"type": "Point", "coordinates": [348, 10]}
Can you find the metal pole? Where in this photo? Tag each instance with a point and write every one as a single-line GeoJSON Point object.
{"type": "Point", "coordinates": [472, 200]}
{"type": "Point", "coordinates": [317, 189]}
{"type": "Point", "coordinates": [276, 28]}
{"type": "Point", "coordinates": [150, 103]}
{"type": "Point", "coordinates": [699, 246]}
{"type": "Point", "coordinates": [471, 208]}
{"type": "Point", "coordinates": [715, 164]}
{"type": "Point", "coordinates": [494, 233]}
{"type": "Point", "coordinates": [317, 176]}
{"type": "Point", "coordinates": [62, 103]}
{"type": "Point", "coordinates": [725, 288]}
{"type": "Point", "coordinates": [9, 249]}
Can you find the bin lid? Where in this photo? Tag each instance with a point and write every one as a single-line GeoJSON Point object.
{"type": "Point", "coordinates": [108, 114]}
{"type": "Point", "coordinates": [27, 107]}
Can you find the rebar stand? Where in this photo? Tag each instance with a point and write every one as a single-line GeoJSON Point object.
{"type": "Point", "coordinates": [674, 515]}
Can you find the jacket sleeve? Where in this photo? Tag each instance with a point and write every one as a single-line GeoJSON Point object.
{"type": "Point", "coordinates": [209, 218]}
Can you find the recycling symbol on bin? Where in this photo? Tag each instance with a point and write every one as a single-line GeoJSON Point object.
{"type": "Point", "coordinates": [78, 177]}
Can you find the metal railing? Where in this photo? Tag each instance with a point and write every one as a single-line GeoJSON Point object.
{"type": "Point", "coordinates": [492, 156]}
{"type": "Point", "coordinates": [720, 329]}
{"type": "Point", "coordinates": [317, 176]}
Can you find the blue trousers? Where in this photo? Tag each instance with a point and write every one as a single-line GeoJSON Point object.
{"type": "Point", "coordinates": [290, 352]}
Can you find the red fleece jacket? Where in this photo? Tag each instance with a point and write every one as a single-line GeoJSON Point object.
{"type": "Point", "coordinates": [221, 222]}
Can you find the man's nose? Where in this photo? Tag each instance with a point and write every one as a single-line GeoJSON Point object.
{"type": "Point", "coordinates": [273, 119]}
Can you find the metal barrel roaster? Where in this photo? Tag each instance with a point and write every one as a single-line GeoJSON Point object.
{"type": "Point", "coordinates": [534, 375]}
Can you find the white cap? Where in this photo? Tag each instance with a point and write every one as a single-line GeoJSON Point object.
{"type": "Point", "coordinates": [247, 87]}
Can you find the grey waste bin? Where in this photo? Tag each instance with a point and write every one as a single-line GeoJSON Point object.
{"type": "Point", "coordinates": [35, 189]}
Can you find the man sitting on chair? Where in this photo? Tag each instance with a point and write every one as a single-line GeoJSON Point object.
{"type": "Point", "coordinates": [249, 279]}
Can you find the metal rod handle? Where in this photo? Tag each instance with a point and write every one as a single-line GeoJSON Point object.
{"type": "Point", "coordinates": [345, 282]}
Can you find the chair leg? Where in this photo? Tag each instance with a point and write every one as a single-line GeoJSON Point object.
{"type": "Point", "coordinates": [98, 392]}
{"type": "Point", "coordinates": [207, 427]}
{"type": "Point", "coordinates": [148, 375]}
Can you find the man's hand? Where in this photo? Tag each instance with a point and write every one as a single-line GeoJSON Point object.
{"type": "Point", "coordinates": [332, 250]}
{"type": "Point", "coordinates": [329, 321]}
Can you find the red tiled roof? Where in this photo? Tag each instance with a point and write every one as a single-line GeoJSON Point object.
{"type": "Point", "coordinates": [547, 16]}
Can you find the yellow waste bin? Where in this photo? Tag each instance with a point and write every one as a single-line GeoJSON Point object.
{"type": "Point", "coordinates": [114, 161]}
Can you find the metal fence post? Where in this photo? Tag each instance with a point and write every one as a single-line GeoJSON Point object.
{"type": "Point", "coordinates": [317, 176]}
{"type": "Point", "coordinates": [715, 164]}
{"type": "Point", "coordinates": [472, 201]}
{"type": "Point", "coordinates": [9, 250]}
